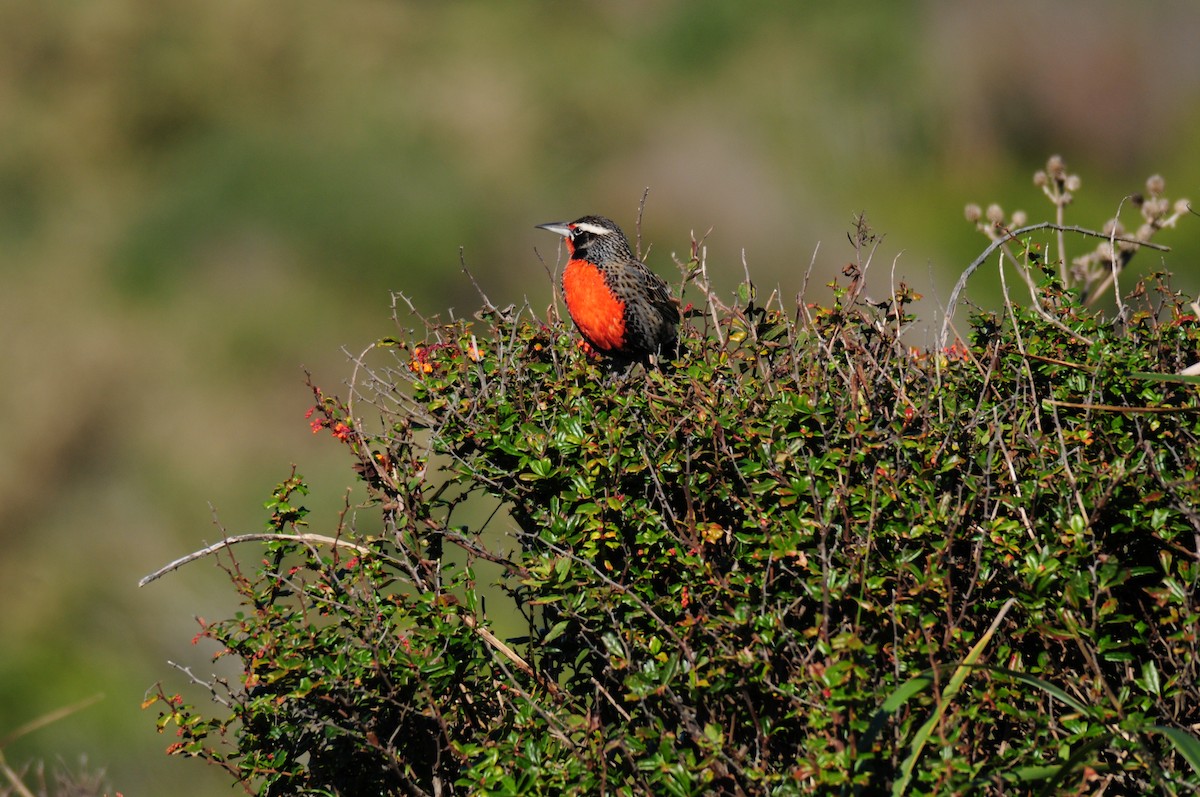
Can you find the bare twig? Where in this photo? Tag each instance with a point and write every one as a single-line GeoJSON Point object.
{"type": "Point", "coordinates": [487, 636]}
{"type": "Point", "coordinates": [698, 273]}
{"type": "Point", "coordinates": [1036, 303]}
{"type": "Point", "coordinates": [198, 681]}
{"type": "Point", "coordinates": [510, 654]}
{"type": "Point", "coordinates": [260, 537]}
{"type": "Point", "coordinates": [641, 212]}
{"type": "Point", "coordinates": [14, 779]}
{"type": "Point", "coordinates": [1117, 408]}
{"type": "Point", "coordinates": [47, 719]}
{"type": "Point", "coordinates": [462, 261]}
{"type": "Point", "coordinates": [803, 296]}
{"type": "Point", "coordinates": [620, 709]}
{"type": "Point", "coordinates": [1064, 269]}
{"type": "Point", "coordinates": [979, 261]}
{"type": "Point", "coordinates": [1114, 267]}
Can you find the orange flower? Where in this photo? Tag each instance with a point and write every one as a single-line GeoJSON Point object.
{"type": "Point", "coordinates": [420, 361]}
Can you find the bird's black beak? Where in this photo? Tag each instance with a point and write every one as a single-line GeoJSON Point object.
{"type": "Point", "coordinates": [561, 227]}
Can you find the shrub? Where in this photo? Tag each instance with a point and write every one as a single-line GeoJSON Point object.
{"type": "Point", "coordinates": [803, 557]}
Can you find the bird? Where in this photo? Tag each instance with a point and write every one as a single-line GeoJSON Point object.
{"type": "Point", "coordinates": [622, 309]}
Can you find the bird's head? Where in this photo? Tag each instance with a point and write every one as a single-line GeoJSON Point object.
{"type": "Point", "coordinates": [590, 233]}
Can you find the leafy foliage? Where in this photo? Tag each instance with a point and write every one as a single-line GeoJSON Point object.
{"type": "Point", "coordinates": [803, 557]}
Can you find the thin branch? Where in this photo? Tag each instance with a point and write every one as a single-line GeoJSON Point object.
{"type": "Point", "coordinates": [1113, 266]}
{"type": "Point", "coordinates": [1064, 268]}
{"type": "Point", "coordinates": [487, 636]}
{"type": "Point", "coordinates": [1117, 408]}
{"type": "Point", "coordinates": [14, 779]}
{"type": "Point", "coordinates": [1117, 260]}
{"type": "Point", "coordinates": [412, 308]}
{"type": "Point", "coordinates": [509, 654]}
{"type": "Point", "coordinates": [802, 297]}
{"type": "Point", "coordinates": [611, 701]}
{"type": "Point", "coordinates": [209, 685]}
{"type": "Point", "coordinates": [641, 212]}
{"type": "Point", "coordinates": [260, 537]}
{"type": "Point", "coordinates": [47, 719]}
{"type": "Point", "coordinates": [979, 261]}
{"type": "Point", "coordinates": [1036, 304]}
{"type": "Point", "coordinates": [462, 261]}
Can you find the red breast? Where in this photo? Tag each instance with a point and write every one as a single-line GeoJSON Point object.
{"type": "Point", "coordinates": [620, 307]}
{"type": "Point", "coordinates": [596, 310]}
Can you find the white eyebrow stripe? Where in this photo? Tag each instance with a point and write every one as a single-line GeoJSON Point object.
{"type": "Point", "coordinates": [594, 229]}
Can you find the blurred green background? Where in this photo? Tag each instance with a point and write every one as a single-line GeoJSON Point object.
{"type": "Point", "coordinates": [199, 198]}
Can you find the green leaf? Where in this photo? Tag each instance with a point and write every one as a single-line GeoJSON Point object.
{"type": "Point", "coordinates": [555, 631]}
{"type": "Point", "coordinates": [1187, 745]}
{"type": "Point", "coordinates": [1150, 680]}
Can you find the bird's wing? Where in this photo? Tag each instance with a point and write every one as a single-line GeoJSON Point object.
{"type": "Point", "coordinates": [659, 292]}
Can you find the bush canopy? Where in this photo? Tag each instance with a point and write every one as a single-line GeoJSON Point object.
{"type": "Point", "coordinates": [802, 557]}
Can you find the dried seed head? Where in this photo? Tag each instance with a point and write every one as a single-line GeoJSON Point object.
{"type": "Point", "coordinates": [1182, 206]}
{"type": "Point", "coordinates": [1155, 184]}
{"type": "Point", "coordinates": [973, 212]}
{"type": "Point", "coordinates": [1073, 182]}
{"type": "Point", "coordinates": [1039, 178]}
{"type": "Point", "coordinates": [1056, 166]}
{"type": "Point", "coordinates": [1018, 218]}
{"type": "Point", "coordinates": [995, 213]}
